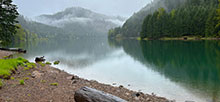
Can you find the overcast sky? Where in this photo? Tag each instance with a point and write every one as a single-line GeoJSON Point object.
{"type": "Point", "coordinates": [126, 8]}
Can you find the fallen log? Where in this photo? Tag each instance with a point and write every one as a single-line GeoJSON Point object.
{"type": "Point", "coordinates": [14, 49]}
{"type": "Point", "coordinates": [86, 94]}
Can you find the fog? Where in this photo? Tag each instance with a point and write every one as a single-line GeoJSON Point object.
{"type": "Point", "coordinates": [126, 8]}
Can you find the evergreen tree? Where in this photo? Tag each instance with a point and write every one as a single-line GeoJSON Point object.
{"type": "Point", "coordinates": [8, 15]}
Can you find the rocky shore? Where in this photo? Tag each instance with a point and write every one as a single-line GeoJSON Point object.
{"type": "Point", "coordinates": [47, 84]}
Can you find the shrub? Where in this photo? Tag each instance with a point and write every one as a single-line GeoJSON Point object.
{"type": "Point", "coordinates": [21, 82]}
{"type": "Point", "coordinates": [54, 84]}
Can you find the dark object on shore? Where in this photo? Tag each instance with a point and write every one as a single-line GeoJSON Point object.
{"type": "Point", "coordinates": [14, 49]}
{"type": "Point", "coordinates": [86, 94]}
{"type": "Point", "coordinates": [39, 59]}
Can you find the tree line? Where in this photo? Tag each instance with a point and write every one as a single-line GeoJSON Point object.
{"type": "Point", "coordinates": [194, 18]}
{"type": "Point", "coordinates": [174, 18]}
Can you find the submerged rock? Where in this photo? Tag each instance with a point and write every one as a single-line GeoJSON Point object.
{"type": "Point", "coordinates": [86, 94]}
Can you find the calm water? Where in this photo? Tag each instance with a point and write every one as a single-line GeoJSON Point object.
{"type": "Point", "coordinates": [177, 70]}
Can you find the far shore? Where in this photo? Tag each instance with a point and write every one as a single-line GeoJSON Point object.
{"type": "Point", "coordinates": [184, 38]}
{"type": "Point", "coordinates": [45, 83]}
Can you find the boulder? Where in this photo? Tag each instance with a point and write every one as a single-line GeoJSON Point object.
{"type": "Point", "coordinates": [86, 94]}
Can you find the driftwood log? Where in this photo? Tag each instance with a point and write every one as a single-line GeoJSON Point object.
{"type": "Point", "coordinates": [86, 94]}
{"type": "Point", "coordinates": [14, 49]}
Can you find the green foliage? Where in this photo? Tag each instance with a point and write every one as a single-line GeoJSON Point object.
{"type": "Point", "coordinates": [42, 64]}
{"type": "Point", "coordinates": [54, 84]}
{"type": "Point", "coordinates": [23, 35]}
{"type": "Point", "coordinates": [1, 83]}
{"type": "Point", "coordinates": [26, 78]}
{"type": "Point", "coordinates": [21, 82]}
{"type": "Point", "coordinates": [173, 18]}
{"type": "Point", "coordinates": [56, 62]}
{"type": "Point", "coordinates": [10, 65]}
{"type": "Point", "coordinates": [12, 78]}
{"type": "Point", "coordinates": [193, 19]}
{"type": "Point", "coordinates": [218, 19]}
{"type": "Point", "coordinates": [48, 63]}
{"type": "Point", "coordinates": [43, 81]}
{"type": "Point", "coordinates": [8, 15]}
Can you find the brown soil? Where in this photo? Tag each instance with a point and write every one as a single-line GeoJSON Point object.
{"type": "Point", "coordinates": [38, 88]}
{"type": "Point", "coordinates": [5, 53]}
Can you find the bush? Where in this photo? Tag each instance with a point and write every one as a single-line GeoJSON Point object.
{"type": "Point", "coordinates": [21, 82]}
{"type": "Point", "coordinates": [54, 84]}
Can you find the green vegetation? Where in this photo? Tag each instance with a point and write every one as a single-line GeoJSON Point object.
{"type": "Point", "coordinates": [1, 83]}
{"type": "Point", "coordinates": [56, 62]}
{"type": "Point", "coordinates": [42, 64]}
{"type": "Point", "coordinates": [8, 66]}
{"type": "Point", "coordinates": [12, 78]}
{"type": "Point", "coordinates": [48, 63]}
{"type": "Point", "coordinates": [54, 84]}
{"type": "Point", "coordinates": [173, 19]}
{"type": "Point", "coordinates": [21, 82]}
{"type": "Point", "coordinates": [8, 15]}
{"type": "Point", "coordinates": [26, 78]}
{"type": "Point", "coordinates": [43, 81]}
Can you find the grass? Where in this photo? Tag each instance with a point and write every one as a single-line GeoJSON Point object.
{"type": "Point", "coordinates": [1, 83]}
{"type": "Point", "coordinates": [43, 81]}
{"type": "Point", "coordinates": [48, 63]}
{"type": "Point", "coordinates": [26, 78]}
{"type": "Point", "coordinates": [21, 82]}
{"type": "Point", "coordinates": [12, 78]}
{"type": "Point", "coordinates": [54, 84]}
{"type": "Point", "coordinates": [56, 62]}
{"type": "Point", "coordinates": [8, 66]}
{"type": "Point", "coordinates": [42, 64]}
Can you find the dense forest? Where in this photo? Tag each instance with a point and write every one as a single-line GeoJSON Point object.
{"type": "Point", "coordinates": [172, 18]}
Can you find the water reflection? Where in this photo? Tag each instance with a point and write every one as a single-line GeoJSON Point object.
{"type": "Point", "coordinates": [174, 69]}
{"type": "Point", "coordinates": [194, 65]}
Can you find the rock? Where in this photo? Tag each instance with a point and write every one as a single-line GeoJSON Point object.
{"type": "Point", "coordinates": [189, 101]}
{"type": "Point", "coordinates": [121, 86]}
{"type": "Point", "coordinates": [73, 82]}
{"type": "Point", "coordinates": [69, 78]}
{"type": "Point", "coordinates": [114, 84]}
{"type": "Point", "coordinates": [86, 94]}
{"type": "Point", "coordinates": [39, 59]}
{"type": "Point", "coordinates": [36, 74]}
{"type": "Point", "coordinates": [137, 94]}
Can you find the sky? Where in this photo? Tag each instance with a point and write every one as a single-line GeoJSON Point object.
{"type": "Point", "coordinates": [125, 8]}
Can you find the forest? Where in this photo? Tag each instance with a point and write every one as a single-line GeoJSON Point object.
{"type": "Point", "coordinates": [188, 18]}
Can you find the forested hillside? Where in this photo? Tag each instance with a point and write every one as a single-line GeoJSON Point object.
{"type": "Point", "coordinates": [171, 18]}
{"type": "Point", "coordinates": [42, 30]}
{"type": "Point", "coordinates": [81, 22]}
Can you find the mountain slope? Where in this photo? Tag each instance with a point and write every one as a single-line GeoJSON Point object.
{"type": "Point", "coordinates": [81, 22]}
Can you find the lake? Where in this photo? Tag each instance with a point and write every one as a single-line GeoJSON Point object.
{"type": "Point", "coordinates": [180, 70]}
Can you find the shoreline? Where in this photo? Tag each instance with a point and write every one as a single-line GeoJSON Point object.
{"type": "Point", "coordinates": [50, 84]}
{"type": "Point", "coordinates": [184, 38]}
